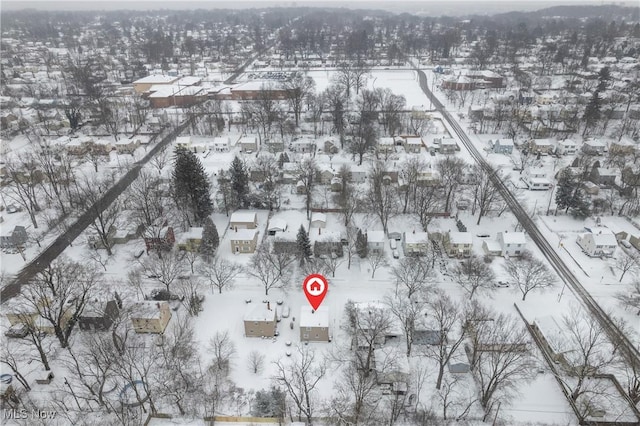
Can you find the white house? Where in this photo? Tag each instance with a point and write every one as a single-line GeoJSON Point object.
{"type": "Point", "coordinates": [220, 144]}
{"type": "Point", "coordinates": [536, 179]}
{"type": "Point", "coordinates": [458, 244]}
{"type": "Point", "coordinates": [183, 142]}
{"type": "Point", "coordinates": [276, 225]}
{"type": "Point", "coordinates": [511, 243]}
{"type": "Point", "coordinates": [415, 243]}
{"type": "Point", "coordinates": [567, 147]}
{"type": "Point", "coordinates": [598, 242]}
{"type": "Point", "coordinates": [375, 241]}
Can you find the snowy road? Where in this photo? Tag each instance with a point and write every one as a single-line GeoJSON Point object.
{"type": "Point", "coordinates": [618, 338]}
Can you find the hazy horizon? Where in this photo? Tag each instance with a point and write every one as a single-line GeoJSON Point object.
{"type": "Point", "coordinates": [431, 7]}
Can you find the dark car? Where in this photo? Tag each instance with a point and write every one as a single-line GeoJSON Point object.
{"type": "Point", "coordinates": [161, 294]}
{"type": "Point", "coordinates": [17, 331]}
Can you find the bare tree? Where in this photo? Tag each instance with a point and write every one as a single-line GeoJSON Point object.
{"type": "Point", "coordinates": [24, 177]}
{"type": "Point", "coordinates": [57, 171]}
{"type": "Point", "coordinates": [347, 199]}
{"type": "Point", "coordinates": [330, 264]}
{"type": "Point", "coordinates": [90, 191]}
{"type": "Point", "coordinates": [191, 291]}
{"type": "Point", "coordinates": [145, 198]}
{"type": "Point", "coordinates": [529, 273]}
{"type": "Point", "coordinates": [445, 316]}
{"type": "Point", "coordinates": [502, 357]}
{"type": "Point", "coordinates": [380, 196]}
{"type": "Point", "coordinates": [631, 298]}
{"type": "Point", "coordinates": [220, 273]}
{"type": "Point", "coordinates": [256, 361]}
{"type": "Point", "coordinates": [428, 200]}
{"type": "Point", "coordinates": [485, 194]}
{"type": "Point", "coordinates": [370, 325]}
{"type": "Point", "coordinates": [627, 262]}
{"type": "Point", "coordinates": [377, 259]}
{"type": "Point", "coordinates": [223, 350]}
{"type": "Point", "coordinates": [414, 274]}
{"type": "Point", "coordinates": [299, 377]}
{"type": "Point", "coordinates": [356, 397]}
{"type": "Point", "coordinates": [306, 173]}
{"type": "Point", "coordinates": [58, 295]}
{"type": "Point", "coordinates": [160, 160]}
{"type": "Point", "coordinates": [180, 380]}
{"type": "Point", "coordinates": [585, 349]}
{"type": "Point", "coordinates": [409, 312]}
{"type": "Point", "coordinates": [472, 274]}
{"type": "Point", "coordinates": [94, 363]}
{"type": "Point", "coordinates": [165, 268]}
{"type": "Point", "coordinates": [267, 168]}
{"type": "Point", "coordinates": [298, 88]}
{"type": "Point", "coordinates": [451, 171]}
{"type": "Point", "coordinates": [12, 357]}
{"type": "Point", "coordinates": [410, 171]}
{"type": "Point", "coordinates": [455, 396]}
{"type": "Point", "coordinates": [272, 269]}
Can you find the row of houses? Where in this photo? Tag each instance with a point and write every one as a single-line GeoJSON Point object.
{"type": "Point", "coordinates": [98, 314]}
{"type": "Point", "coordinates": [261, 320]}
{"type": "Point", "coordinates": [547, 146]}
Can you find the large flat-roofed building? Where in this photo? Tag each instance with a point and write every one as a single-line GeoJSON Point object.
{"type": "Point", "coordinates": [144, 84]}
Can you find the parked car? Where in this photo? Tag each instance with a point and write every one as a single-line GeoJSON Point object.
{"type": "Point", "coordinates": [17, 331]}
{"type": "Point", "coordinates": [160, 294]}
{"type": "Point", "coordinates": [625, 244]}
{"type": "Point", "coordinates": [286, 312]}
{"type": "Point", "coordinates": [396, 255]}
{"type": "Point", "coordinates": [501, 284]}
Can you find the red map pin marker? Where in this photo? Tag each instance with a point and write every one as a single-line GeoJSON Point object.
{"type": "Point", "coordinates": [315, 287]}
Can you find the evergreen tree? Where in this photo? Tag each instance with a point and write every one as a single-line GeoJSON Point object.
{"type": "Point", "coordinates": [210, 238]}
{"type": "Point", "coordinates": [564, 191]}
{"type": "Point", "coordinates": [580, 206]}
{"type": "Point", "coordinates": [592, 112]}
{"type": "Point", "coordinates": [361, 244]}
{"type": "Point", "coordinates": [239, 182]}
{"type": "Point", "coordinates": [603, 79]}
{"type": "Point", "coordinates": [191, 186]}
{"type": "Point", "coordinates": [304, 245]}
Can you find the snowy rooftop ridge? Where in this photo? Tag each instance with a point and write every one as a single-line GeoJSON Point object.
{"type": "Point", "coordinates": [309, 318]}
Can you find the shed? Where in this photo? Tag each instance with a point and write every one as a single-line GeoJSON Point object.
{"type": "Point", "coordinates": [318, 220]}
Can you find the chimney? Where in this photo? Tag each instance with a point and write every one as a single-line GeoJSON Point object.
{"type": "Point", "coordinates": [268, 306]}
{"type": "Point", "coordinates": [158, 305]}
{"type": "Point", "coordinates": [414, 231]}
{"type": "Point", "coordinates": [313, 311]}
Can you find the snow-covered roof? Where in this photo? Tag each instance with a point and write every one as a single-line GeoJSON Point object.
{"type": "Point", "coordinates": [492, 245]}
{"type": "Point", "coordinates": [277, 225]}
{"type": "Point", "coordinates": [319, 216]}
{"type": "Point", "coordinates": [375, 236]}
{"type": "Point", "coordinates": [504, 142]}
{"type": "Point", "coordinates": [416, 237]}
{"type": "Point", "coordinates": [414, 141]}
{"type": "Point", "coordinates": [221, 141]}
{"type": "Point", "coordinates": [552, 332]}
{"type": "Point", "coordinates": [156, 79]}
{"type": "Point", "coordinates": [460, 238]}
{"type": "Point", "coordinates": [309, 318]}
{"type": "Point", "coordinates": [606, 172]}
{"type": "Point", "coordinates": [513, 238]}
{"type": "Point", "coordinates": [259, 312]}
{"type": "Point", "coordinates": [193, 233]}
{"type": "Point", "coordinates": [188, 81]}
{"type": "Point", "coordinates": [602, 236]}
{"type": "Point", "coordinates": [243, 235]}
{"type": "Point", "coordinates": [146, 310]}
{"type": "Point", "coordinates": [183, 140]}
{"type": "Point", "coordinates": [243, 217]}
{"type": "Point", "coordinates": [568, 142]}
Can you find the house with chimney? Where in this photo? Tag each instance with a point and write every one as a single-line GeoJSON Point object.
{"type": "Point", "coordinates": [511, 243]}
{"type": "Point", "coordinates": [314, 324]}
{"type": "Point", "coordinates": [243, 219]}
{"type": "Point", "coordinates": [597, 242]}
{"type": "Point", "coordinates": [150, 316]}
{"type": "Point", "coordinates": [244, 241]}
{"type": "Point", "coordinates": [260, 321]}
{"type": "Point", "coordinates": [159, 236]}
